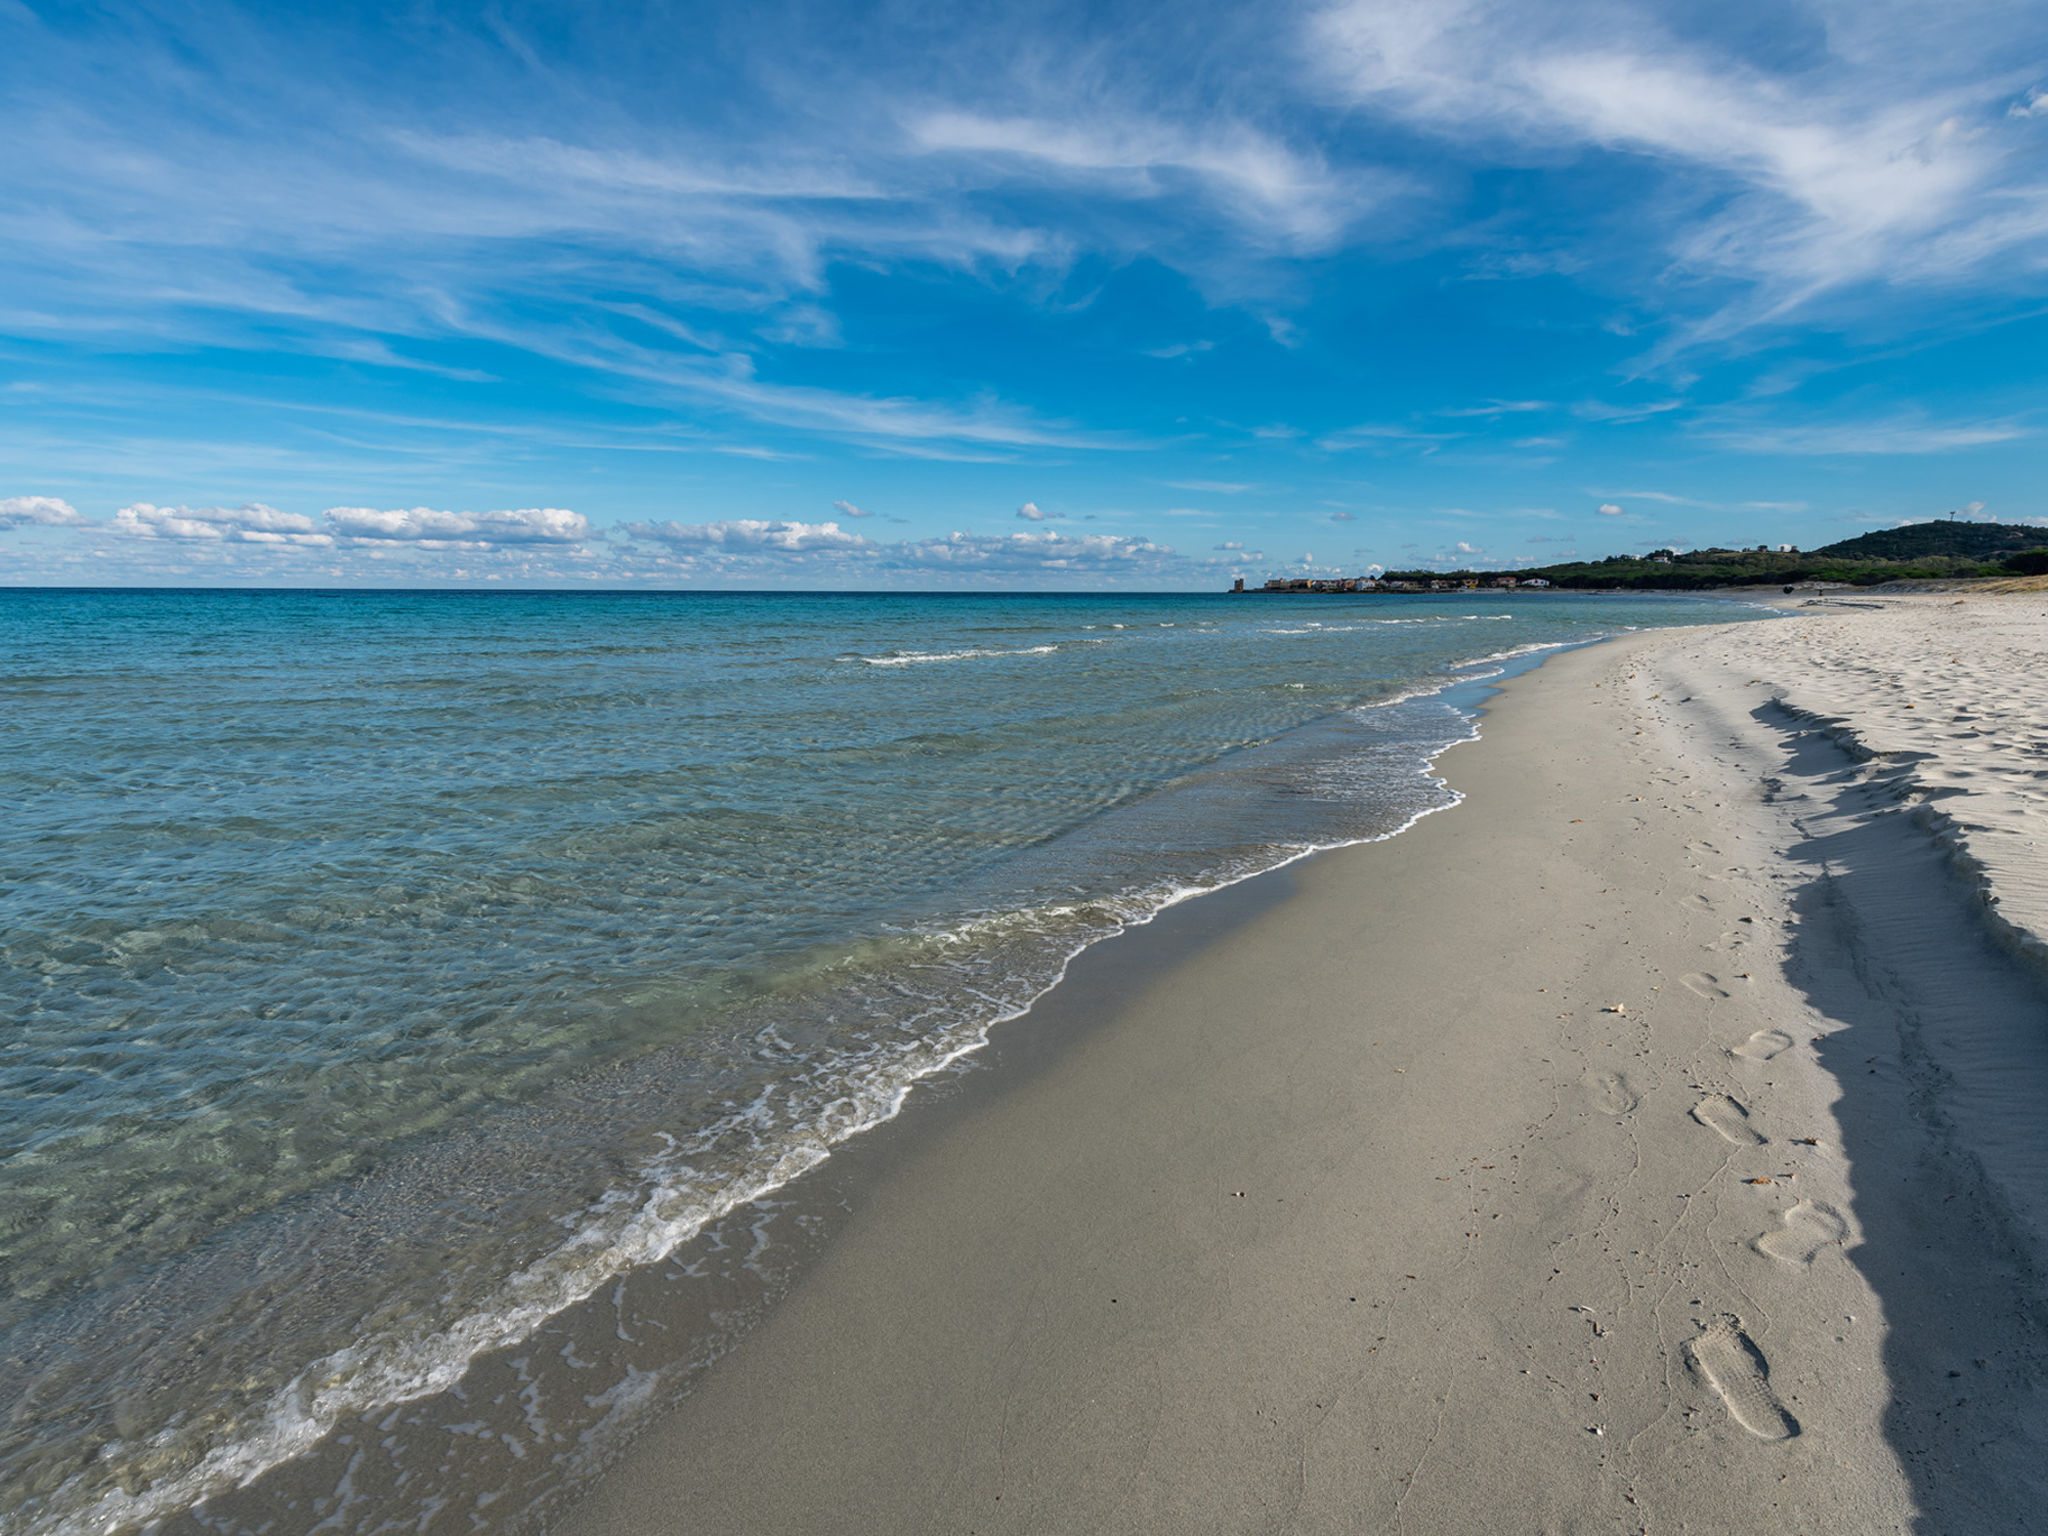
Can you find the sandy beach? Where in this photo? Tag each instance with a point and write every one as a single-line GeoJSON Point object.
{"type": "Point", "coordinates": [1652, 1142]}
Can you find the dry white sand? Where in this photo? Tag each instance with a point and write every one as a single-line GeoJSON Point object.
{"type": "Point", "coordinates": [1655, 1142]}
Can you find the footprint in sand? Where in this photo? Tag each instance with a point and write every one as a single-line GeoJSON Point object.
{"type": "Point", "coordinates": [1720, 1113]}
{"type": "Point", "coordinates": [1737, 1370]}
{"type": "Point", "coordinates": [1763, 1045]}
{"type": "Point", "coordinates": [1806, 1229]}
{"type": "Point", "coordinates": [1700, 984]}
{"type": "Point", "coordinates": [1613, 1094]}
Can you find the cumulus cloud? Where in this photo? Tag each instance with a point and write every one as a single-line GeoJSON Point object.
{"type": "Point", "coordinates": [1031, 514]}
{"type": "Point", "coordinates": [251, 523]}
{"type": "Point", "coordinates": [747, 533]}
{"type": "Point", "coordinates": [37, 511]}
{"type": "Point", "coordinates": [425, 525]}
{"type": "Point", "coordinates": [1609, 509]}
{"type": "Point", "coordinates": [1229, 544]}
{"type": "Point", "coordinates": [848, 509]}
{"type": "Point", "coordinates": [2036, 104]}
{"type": "Point", "coordinates": [1024, 552]}
{"type": "Point", "coordinates": [746, 549]}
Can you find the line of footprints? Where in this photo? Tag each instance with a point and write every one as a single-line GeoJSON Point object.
{"type": "Point", "coordinates": [1723, 1353]}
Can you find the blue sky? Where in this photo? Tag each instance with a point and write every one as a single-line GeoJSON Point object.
{"type": "Point", "coordinates": [1032, 296]}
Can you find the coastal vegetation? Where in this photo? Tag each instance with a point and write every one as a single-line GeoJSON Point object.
{"type": "Point", "coordinates": [1940, 550]}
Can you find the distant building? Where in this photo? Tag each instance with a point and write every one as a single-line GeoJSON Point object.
{"type": "Point", "coordinates": [1237, 585]}
{"type": "Point", "coordinates": [1788, 549]}
{"type": "Point", "coordinates": [1504, 581]}
{"type": "Point", "coordinates": [1536, 581]}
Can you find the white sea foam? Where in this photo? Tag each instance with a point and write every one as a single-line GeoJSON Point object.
{"type": "Point", "coordinates": [1532, 649]}
{"type": "Point", "coordinates": [914, 658]}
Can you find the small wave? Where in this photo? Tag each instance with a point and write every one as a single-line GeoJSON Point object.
{"type": "Point", "coordinates": [911, 658]}
{"type": "Point", "coordinates": [1512, 652]}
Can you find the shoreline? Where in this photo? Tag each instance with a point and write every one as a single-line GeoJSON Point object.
{"type": "Point", "coordinates": [793, 1206]}
{"type": "Point", "coordinates": [1104, 1279]}
{"type": "Point", "coordinates": [862, 1354]}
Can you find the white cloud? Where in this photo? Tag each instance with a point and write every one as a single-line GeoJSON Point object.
{"type": "Point", "coordinates": [1382, 436]}
{"type": "Point", "coordinates": [37, 511]}
{"type": "Point", "coordinates": [1494, 408]}
{"type": "Point", "coordinates": [1343, 517]}
{"type": "Point", "coordinates": [1664, 496]}
{"type": "Point", "coordinates": [251, 523]}
{"type": "Point", "coordinates": [1906, 433]}
{"type": "Point", "coordinates": [744, 549]}
{"type": "Point", "coordinates": [1031, 513]}
{"type": "Point", "coordinates": [848, 509]}
{"type": "Point", "coordinates": [1050, 550]}
{"type": "Point", "coordinates": [1279, 193]}
{"type": "Point", "coordinates": [2036, 104]}
{"type": "Point", "coordinates": [1877, 156]}
{"type": "Point", "coordinates": [1230, 544]}
{"type": "Point", "coordinates": [1608, 509]}
{"type": "Point", "coordinates": [748, 533]}
{"type": "Point", "coordinates": [425, 525]}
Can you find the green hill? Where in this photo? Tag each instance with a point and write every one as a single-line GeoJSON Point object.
{"type": "Point", "coordinates": [1920, 541]}
{"type": "Point", "coordinates": [1921, 552]}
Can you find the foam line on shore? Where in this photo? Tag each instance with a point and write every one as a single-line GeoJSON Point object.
{"type": "Point", "coordinates": [377, 1373]}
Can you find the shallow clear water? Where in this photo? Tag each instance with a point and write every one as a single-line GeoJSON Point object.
{"type": "Point", "coordinates": [384, 971]}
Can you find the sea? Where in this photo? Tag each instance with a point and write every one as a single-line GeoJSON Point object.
{"type": "Point", "coordinates": [387, 973]}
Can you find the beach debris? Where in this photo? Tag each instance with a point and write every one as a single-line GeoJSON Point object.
{"type": "Point", "coordinates": [1761, 1179]}
{"type": "Point", "coordinates": [1616, 1008]}
{"type": "Point", "coordinates": [1805, 1141]}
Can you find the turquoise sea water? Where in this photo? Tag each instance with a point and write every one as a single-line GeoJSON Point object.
{"type": "Point", "coordinates": [384, 972]}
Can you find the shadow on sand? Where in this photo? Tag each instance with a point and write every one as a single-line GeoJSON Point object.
{"type": "Point", "coordinates": [1941, 1051]}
